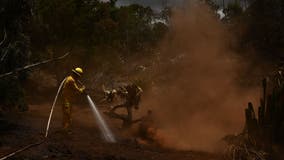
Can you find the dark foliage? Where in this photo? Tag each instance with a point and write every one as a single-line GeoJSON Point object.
{"type": "Point", "coordinates": [14, 50]}
{"type": "Point", "coordinates": [265, 20]}
{"type": "Point", "coordinates": [34, 30]}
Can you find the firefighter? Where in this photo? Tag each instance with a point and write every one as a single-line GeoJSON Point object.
{"type": "Point", "coordinates": [71, 87]}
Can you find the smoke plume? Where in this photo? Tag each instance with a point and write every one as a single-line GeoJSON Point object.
{"type": "Point", "coordinates": [197, 97]}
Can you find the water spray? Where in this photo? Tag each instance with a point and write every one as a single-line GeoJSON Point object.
{"type": "Point", "coordinates": [106, 132]}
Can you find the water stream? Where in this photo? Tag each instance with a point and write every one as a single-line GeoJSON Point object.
{"type": "Point", "coordinates": [106, 132]}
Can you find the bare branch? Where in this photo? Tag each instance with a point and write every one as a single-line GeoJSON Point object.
{"type": "Point", "coordinates": [5, 36]}
{"type": "Point", "coordinates": [4, 54]}
{"type": "Point", "coordinates": [33, 65]}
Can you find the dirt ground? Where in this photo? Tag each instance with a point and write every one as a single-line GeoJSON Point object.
{"type": "Point", "coordinates": [84, 143]}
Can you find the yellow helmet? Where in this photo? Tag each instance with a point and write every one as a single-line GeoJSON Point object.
{"type": "Point", "coordinates": [78, 71]}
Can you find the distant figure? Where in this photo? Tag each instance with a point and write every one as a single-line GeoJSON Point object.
{"type": "Point", "coordinates": [109, 94]}
{"type": "Point", "coordinates": [71, 87]}
{"type": "Point", "coordinates": [132, 95]}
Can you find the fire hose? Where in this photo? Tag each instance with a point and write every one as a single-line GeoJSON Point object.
{"type": "Point", "coordinates": [46, 132]}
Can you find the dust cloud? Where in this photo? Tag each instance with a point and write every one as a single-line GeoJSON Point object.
{"type": "Point", "coordinates": [197, 97]}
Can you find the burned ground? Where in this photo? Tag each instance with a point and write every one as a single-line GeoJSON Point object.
{"type": "Point", "coordinates": [85, 142]}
